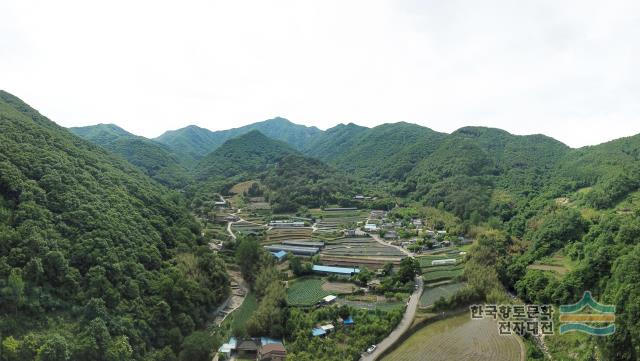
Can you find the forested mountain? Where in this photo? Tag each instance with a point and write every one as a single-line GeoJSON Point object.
{"type": "Point", "coordinates": [97, 261]}
{"type": "Point", "coordinates": [196, 142]}
{"type": "Point", "coordinates": [386, 152]}
{"type": "Point", "coordinates": [245, 155]}
{"type": "Point", "coordinates": [155, 159]}
{"type": "Point", "coordinates": [482, 170]}
{"type": "Point", "coordinates": [293, 179]}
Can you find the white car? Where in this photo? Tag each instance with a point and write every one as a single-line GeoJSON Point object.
{"type": "Point", "coordinates": [371, 348]}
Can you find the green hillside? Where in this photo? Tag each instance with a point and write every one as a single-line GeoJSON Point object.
{"type": "Point", "coordinates": [245, 155]}
{"type": "Point", "coordinates": [97, 261]}
{"type": "Point", "coordinates": [154, 159]}
{"type": "Point", "coordinates": [386, 152]}
{"type": "Point", "coordinates": [194, 142]}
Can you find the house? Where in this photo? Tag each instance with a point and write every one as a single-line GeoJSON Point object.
{"type": "Point", "coordinates": [417, 222]}
{"type": "Point", "coordinates": [377, 214]}
{"type": "Point", "coordinates": [346, 271]}
{"type": "Point", "coordinates": [247, 348]}
{"type": "Point", "coordinates": [279, 255]}
{"type": "Point", "coordinates": [371, 227]}
{"type": "Point", "coordinates": [349, 232]}
{"type": "Point", "coordinates": [391, 235]}
{"type": "Point", "coordinates": [272, 352]}
{"type": "Point", "coordinates": [228, 348]}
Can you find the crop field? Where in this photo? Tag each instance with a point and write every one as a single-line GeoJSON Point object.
{"type": "Point", "coordinates": [383, 306]}
{"type": "Point", "coordinates": [246, 227]}
{"type": "Point", "coordinates": [369, 262]}
{"type": "Point", "coordinates": [331, 221]}
{"type": "Point", "coordinates": [431, 294]}
{"type": "Point", "coordinates": [459, 338]}
{"type": "Point", "coordinates": [306, 292]}
{"type": "Point", "coordinates": [356, 247]}
{"type": "Point", "coordinates": [240, 316]}
{"type": "Point", "coordinates": [425, 261]}
{"type": "Point", "coordinates": [435, 274]}
{"type": "Point", "coordinates": [288, 234]}
{"type": "Point", "coordinates": [339, 287]}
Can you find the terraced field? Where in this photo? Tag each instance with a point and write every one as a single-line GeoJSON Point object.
{"type": "Point", "coordinates": [246, 227]}
{"type": "Point", "coordinates": [440, 274]}
{"type": "Point", "coordinates": [288, 234]}
{"type": "Point", "coordinates": [459, 338]}
{"type": "Point", "coordinates": [432, 293]}
{"type": "Point", "coordinates": [306, 292]}
{"type": "Point", "coordinates": [332, 221]}
{"type": "Point", "coordinates": [357, 247]}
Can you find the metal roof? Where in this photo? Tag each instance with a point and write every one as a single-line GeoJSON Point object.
{"type": "Point", "coordinates": [331, 269]}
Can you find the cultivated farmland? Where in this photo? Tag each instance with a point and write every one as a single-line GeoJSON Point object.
{"type": "Point", "coordinates": [432, 293]}
{"type": "Point", "coordinates": [277, 235]}
{"type": "Point", "coordinates": [306, 292]}
{"type": "Point", "coordinates": [459, 338]}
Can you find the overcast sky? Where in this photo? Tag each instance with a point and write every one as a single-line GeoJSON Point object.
{"type": "Point", "coordinates": [568, 69]}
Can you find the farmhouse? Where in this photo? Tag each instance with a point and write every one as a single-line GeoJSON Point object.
{"type": "Point", "coordinates": [335, 270]}
{"type": "Point", "coordinates": [371, 227]}
{"type": "Point", "coordinates": [377, 214]}
{"type": "Point", "coordinates": [272, 352]}
{"type": "Point", "coordinates": [391, 235]}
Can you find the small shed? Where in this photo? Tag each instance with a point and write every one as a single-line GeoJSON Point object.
{"type": "Point", "coordinates": [348, 321]}
{"type": "Point", "coordinates": [318, 332]}
{"type": "Point", "coordinates": [329, 299]}
{"type": "Point", "coordinates": [280, 255]}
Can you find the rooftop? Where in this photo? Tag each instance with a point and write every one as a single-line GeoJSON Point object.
{"type": "Point", "coordinates": [332, 269]}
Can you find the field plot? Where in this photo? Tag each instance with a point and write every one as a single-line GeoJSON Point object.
{"type": "Point", "coordinates": [459, 338]}
{"type": "Point", "coordinates": [247, 228]}
{"type": "Point", "coordinates": [442, 273]}
{"type": "Point", "coordinates": [370, 303]}
{"type": "Point", "coordinates": [339, 287]}
{"type": "Point", "coordinates": [288, 234]}
{"type": "Point", "coordinates": [425, 261]}
{"type": "Point", "coordinates": [306, 292]}
{"type": "Point", "coordinates": [432, 293]}
{"type": "Point", "coordinates": [360, 247]}
{"type": "Point", "coordinates": [332, 221]}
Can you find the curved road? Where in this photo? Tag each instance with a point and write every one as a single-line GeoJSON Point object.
{"type": "Point", "coordinates": [402, 327]}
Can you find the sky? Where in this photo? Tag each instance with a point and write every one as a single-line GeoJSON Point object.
{"type": "Point", "coordinates": [567, 69]}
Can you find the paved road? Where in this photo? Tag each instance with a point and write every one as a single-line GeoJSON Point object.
{"type": "Point", "coordinates": [402, 327]}
{"type": "Point", "coordinates": [401, 249]}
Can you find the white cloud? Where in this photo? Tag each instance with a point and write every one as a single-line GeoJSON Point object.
{"type": "Point", "coordinates": [563, 68]}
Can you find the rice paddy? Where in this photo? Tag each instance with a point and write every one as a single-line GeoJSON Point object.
{"type": "Point", "coordinates": [432, 293]}
{"type": "Point", "coordinates": [459, 338]}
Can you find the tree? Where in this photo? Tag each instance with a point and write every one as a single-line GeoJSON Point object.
{"type": "Point", "coordinates": [409, 267]}
{"type": "Point", "coordinates": [55, 348]}
{"type": "Point", "coordinates": [119, 349]}
{"type": "Point", "coordinates": [198, 346]}
{"type": "Point", "coordinates": [248, 257]}
{"type": "Point", "coordinates": [15, 289]}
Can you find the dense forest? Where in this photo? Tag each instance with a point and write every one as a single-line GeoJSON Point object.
{"type": "Point", "coordinates": [97, 261]}
{"type": "Point", "coordinates": [155, 159]}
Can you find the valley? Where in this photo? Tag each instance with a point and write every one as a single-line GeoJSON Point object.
{"type": "Point", "coordinates": [282, 239]}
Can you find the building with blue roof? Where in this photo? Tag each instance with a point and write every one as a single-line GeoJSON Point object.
{"type": "Point", "coordinates": [335, 270]}
{"type": "Point", "coordinates": [280, 255]}
{"type": "Point", "coordinates": [315, 332]}
{"type": "Point", "coordinates": [348, 321]}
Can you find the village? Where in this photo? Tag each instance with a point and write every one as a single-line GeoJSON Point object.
{"type": "Point", "coordinates": [336, 258]}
